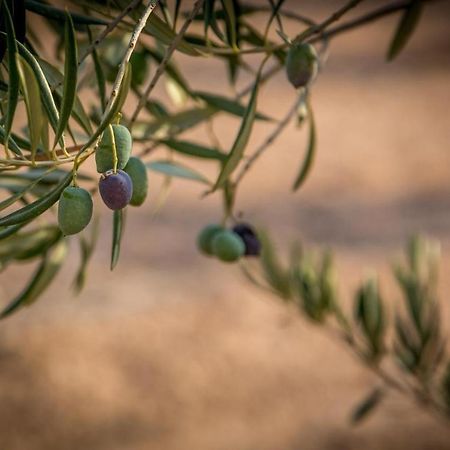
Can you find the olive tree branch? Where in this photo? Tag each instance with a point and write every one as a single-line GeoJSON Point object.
{"type": "Point", "coordinates": [162, 66]}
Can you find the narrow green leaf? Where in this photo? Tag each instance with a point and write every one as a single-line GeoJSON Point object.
{"type": "Point", "coordinates": [12, 144]}
{"type": "Point", "coordinates": [38, 207]}
{"type": "Point", "coordinates": [6, 232]}
{"type": "Point", "coordinates": [118, 228]}
{"type": "Point", "coordinates": [44, 275]}
{"type": "Point", "coordinates": [70, 78]}
{"type": "Point", "coordinates": [367, 405]}
{"type": "Point", "coordinates": [51, 12]}
{"type": "Point", "coordinates": [163, 33]}
{"type": "Point", "coordinates": [226, 104]}
{"type": "Point", "coordinates": [32, 97]}
{"type": "Point", "coordinates": [405, 29]}
{"type": "Point", "coordinates": [243, 136]}
{"type": "Point", "coordinates": [87, 247]}
{"type": "Point", "coordinates": [55, 77]}
{"type": "Point", "coordinates": [101, 81]}
{"type": "Point", "coordinates": [177, 170]}
{"type": "Point", "coordinates": [13, 72]}
{"type": "Point", "coordinates": [116, 107]}
{"type": "Point", "coordinates": [193, 149]}
{"type": "Point", "coordinates": [19, 195]}
{"type": "Point", "coordinates": [310, 152]}
{"type": "Point", "coordinates": [231, 22]}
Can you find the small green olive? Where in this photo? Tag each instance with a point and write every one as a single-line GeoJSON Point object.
{"type": "Point", "coordinates": [137, 171]}
{"type": "Point", "coordinates": [104, 154]}
{"type": "Point", "coordinates": [205, 237]}
{"type": "Point", "coordinates": [74, 210]}
{"type": "Point", "coordinates": [301, 64]}
{"type": "Point", "coordinates": [228, 246]}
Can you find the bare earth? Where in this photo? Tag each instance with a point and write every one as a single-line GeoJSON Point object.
{"type": "Point", "coordinates": [173, 351]}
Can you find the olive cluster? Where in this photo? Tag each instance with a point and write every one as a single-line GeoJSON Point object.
{"type": "Point", "coordinates": [123, 182]}
{"type": "Point", "coordinates": [229, 245]}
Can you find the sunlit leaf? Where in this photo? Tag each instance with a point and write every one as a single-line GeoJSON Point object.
{"type": "Point", "coordinates": [70, 77]}
{"type": "Point", "coordinates": [193, 149]}
{"type": "Point", "coordinates": [310, 152]}
{"type": "Point", "coordinates": [32, 96]}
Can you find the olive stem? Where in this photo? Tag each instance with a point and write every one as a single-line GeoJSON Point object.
{"type": "Point", "coordinates": [114, 148]}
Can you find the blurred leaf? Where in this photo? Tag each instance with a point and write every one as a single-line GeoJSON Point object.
{"type": "Point", "coordinates": [101, 81]}
{"type": "Point", "coordinates": [177, 170]}
{"type": "Point", "coordinates": [162, 32]}
{"type": "Point", "coordinates": [118, 228]}
{"type": "Point", "coordinates": [405, 29]}
{"type": "Point", "coordinates": [32, 97]}
{"type": "Point", "coordinates": [310, 152]}
{"type": "Point", "coordinates": [228, 105]}
{"type": "Point", "coordinates": [29, 244]}
{"type": "Point", "coordinates": [87, 247]}
{"type": "Point", "coordinates": [70, 78]}
{"type": "Point", "coordinates": [51, 12]}
{"type": "Point", "coordinates": [38, 207]}
{"type": "Point", "coordinates": [237, 151]}
{"type": "Point", "coordinates": [6, 232]}
{"type": "Point", "coordinates": [44, 275]}
{"type": "Point", "coordinates": [13, 72]}
{"type": "Point", "coordinates": [231, 22]}
{"type": "Point", "coordinates": [367, 405]}
{"type": "Point", "coordinates": [193, 149]}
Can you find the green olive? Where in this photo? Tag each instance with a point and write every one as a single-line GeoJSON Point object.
{"type": "Point", "coordinates": [137, 171]}
{"type": "Point", "coordinates": [301, 64]}
{"type": "Point", "coordinates": [104, 155]}
{"type": "Point", "coordinates": [227, 246]}
{"type": "Point", "coordinates": [205, 237]}
{"type": "Point", "coordinates": [74, 210]}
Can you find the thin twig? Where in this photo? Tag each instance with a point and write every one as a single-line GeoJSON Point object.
{"type": "Point", "coordinates": [162, 66]}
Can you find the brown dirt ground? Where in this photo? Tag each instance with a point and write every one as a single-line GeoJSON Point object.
{"type": "Point", "coordinates": [174, 351]}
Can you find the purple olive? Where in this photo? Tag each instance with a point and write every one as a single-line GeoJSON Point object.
{"type": "Point", "coordinates": [248, 235]}
{"type": "Point", "coordinates": [116, 189]}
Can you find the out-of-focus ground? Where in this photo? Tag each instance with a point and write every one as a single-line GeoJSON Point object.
{"type": "Point", "coordinates": [174, 351]}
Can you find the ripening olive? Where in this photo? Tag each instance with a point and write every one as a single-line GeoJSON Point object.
{"type": "Point", "coordinates": [74, 210]}
{"type": "Point", "coordinates": [104, 154]}
{"type": "Point", "coordinates": [205, 237]}
{"type": "Point", "coordinates": [115, 189]}
{"type": "Point", "coordinates": [250, 238]}
{"type": "Point", "coordinates": [137, 171]}
{"type": "Point", "coordinates": [301, 64]}
{"type": "Point", "coordinates": [227, 246]}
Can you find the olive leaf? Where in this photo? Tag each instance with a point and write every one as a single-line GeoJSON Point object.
{"type": "Point", "coordinates": [405, 29]}
{"type": "Point", "coordinates": [14, 77]}
{"type": "Point", "coordinates": [32, 96]}
{"type": "Point", "coordinates": [100, 75]}
{"type": "Point", "coordinates": [51, 12]}
{"type": "Point", "coordinates": [177, 170]}
{"type": "Point", "coordinates": [228, 105]}
{"type": "Point", "coordinates": [70, 78]}
{"type": "Point", "coordinates": [44, 275]}
{"type": "Point", "coordinates": [194, 149]}
{"type": "Point", "coordinates": [367, 405]}
{"type": "Point", "coordinates": [118, 228]}
{"type": "Point", "coordinates": [310, 151]}
{"type": "Point", "coordinates": [87, 246]}
{"type": "Point", "coordinates": [231, 22]}
{"type": "Point", "coordinates": [242, 138]}
{"type": "Point", "coordinates": [39, 206]}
